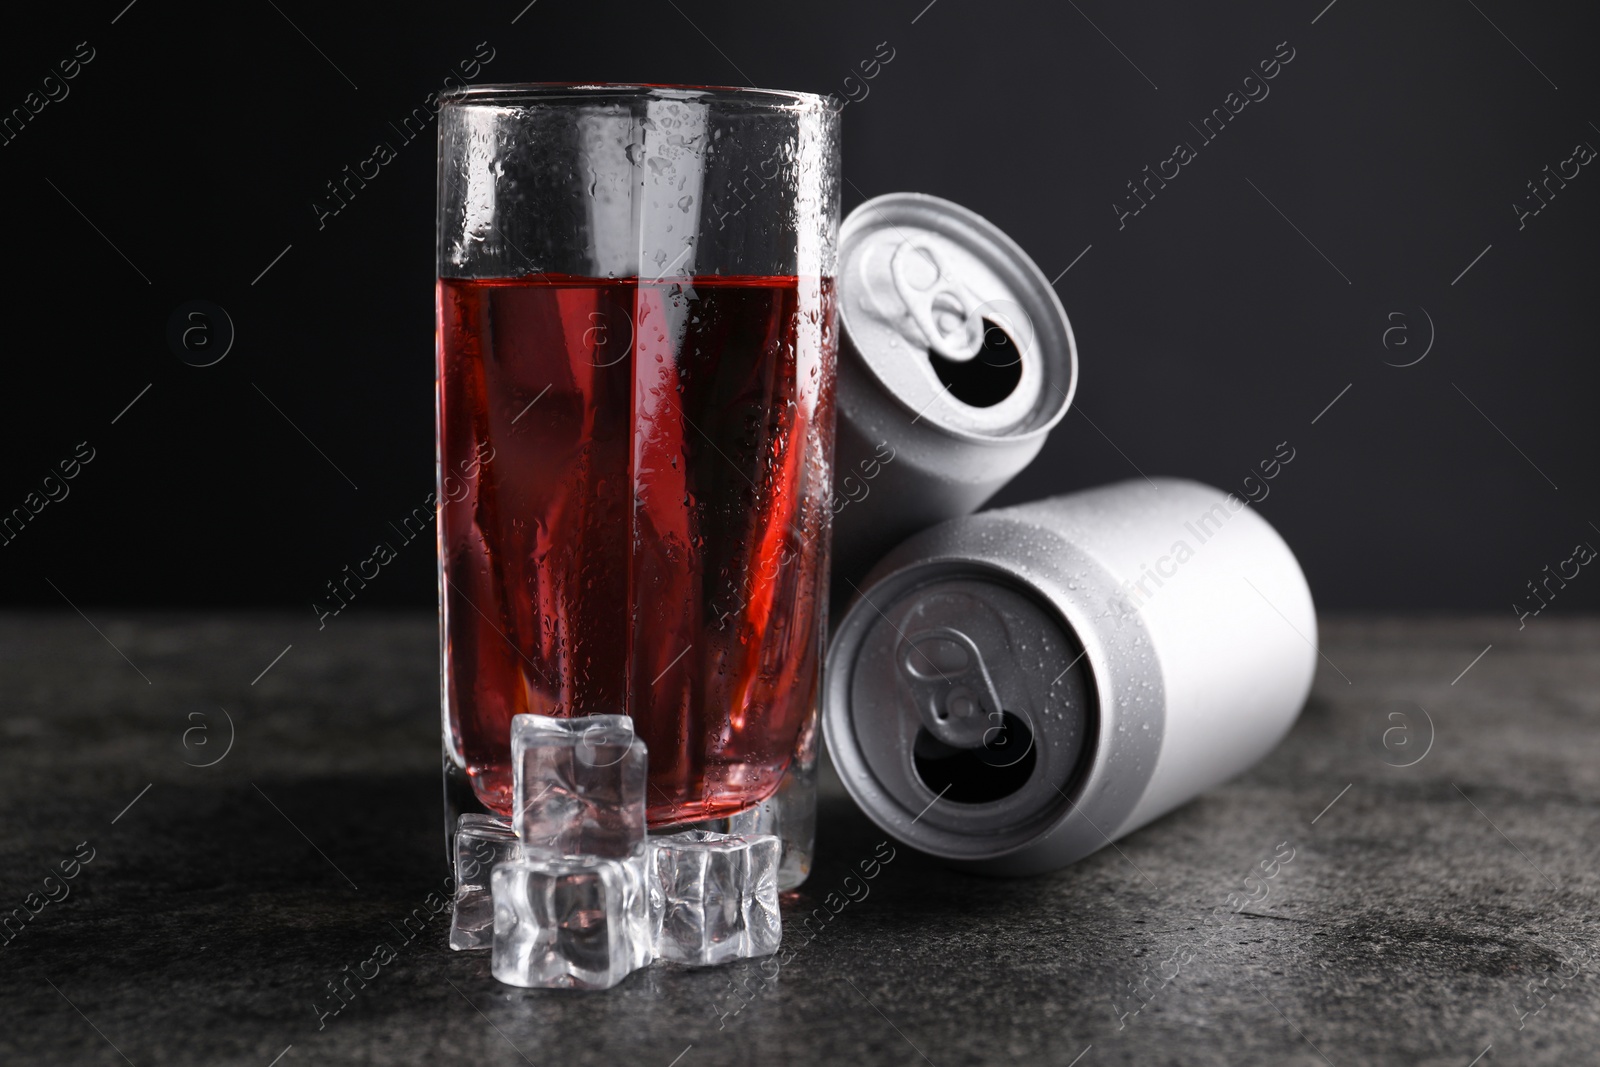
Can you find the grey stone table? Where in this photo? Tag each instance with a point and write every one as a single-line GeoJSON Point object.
{"type": "Point", "coordinates": [1410, 878]}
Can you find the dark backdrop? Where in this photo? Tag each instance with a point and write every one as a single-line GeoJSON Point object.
{"type": "Point", "coordinates": [183, 159]}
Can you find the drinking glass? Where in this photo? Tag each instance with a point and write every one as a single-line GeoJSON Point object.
{"type": "Point", "coordinates": [636, 347]}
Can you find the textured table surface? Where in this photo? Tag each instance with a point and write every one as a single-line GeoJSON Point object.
{"type": "Point", "coordinates": [1432, 911]}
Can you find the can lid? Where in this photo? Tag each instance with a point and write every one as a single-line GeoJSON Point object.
{"type": "Point", "coordinates": [967, 712]}
{"type": "Point", "coordinates": [953, 318]}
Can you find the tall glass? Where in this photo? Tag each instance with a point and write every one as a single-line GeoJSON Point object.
{"type": "Point", "coordinates": [635, 435]}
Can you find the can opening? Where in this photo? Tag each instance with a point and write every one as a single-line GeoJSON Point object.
{"type": "Point", "coordinates": [998, 768]}
{"type": "Point", "coordinates": [988, 377]}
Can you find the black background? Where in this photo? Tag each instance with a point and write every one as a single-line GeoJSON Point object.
{"type": "Point", "coordinates": [190, 149]}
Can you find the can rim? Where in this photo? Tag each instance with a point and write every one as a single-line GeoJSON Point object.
{"type": "Point", "coordinates": [1070, 582]}
{"type": "Point", "coordinates": [850, 761]}
{"type": "Point", "coordinates": [1024, 262]}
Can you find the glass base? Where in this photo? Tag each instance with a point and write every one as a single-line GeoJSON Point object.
{"type": "Point", "coordinates": [459, 800]}
{"type": "Point", "coordinates": [790, 814]}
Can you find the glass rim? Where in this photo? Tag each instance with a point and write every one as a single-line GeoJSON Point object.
{"type": "Point", "coordinates": [524, 94]}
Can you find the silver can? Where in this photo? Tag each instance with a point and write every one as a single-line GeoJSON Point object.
{"type": "Point", "coordinates": [1016, 689]}
{"type": "Point", "coordinates": [956, 359]}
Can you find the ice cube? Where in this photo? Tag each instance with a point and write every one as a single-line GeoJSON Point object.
{"type": "Point", "coordinates": [578, 785]}
{"type": "Point", "coordinates": [481, 842]}
{"type": "Point", "coordinates": [568, 922]}
{"type": "Point", "coordinates": [714, 896]}
{"type": "Point", "coordinates": [637, 907]}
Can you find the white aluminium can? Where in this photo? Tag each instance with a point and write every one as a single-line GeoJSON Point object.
{"type": "Point", "coordinates": [1015, 689]}
{"type": "Point", "coordinates": [956, 360]}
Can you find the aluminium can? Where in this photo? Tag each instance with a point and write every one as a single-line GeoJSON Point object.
{"type": "Point", "coordinates": [1016, 689]}
{"type": "Point", "coordinates": [956, 360]}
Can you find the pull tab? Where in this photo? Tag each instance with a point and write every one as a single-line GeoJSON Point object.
{"type": "Point", "coordinates": [951, 685]}
{"type": "Point", "coordinates": [944, 309]}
